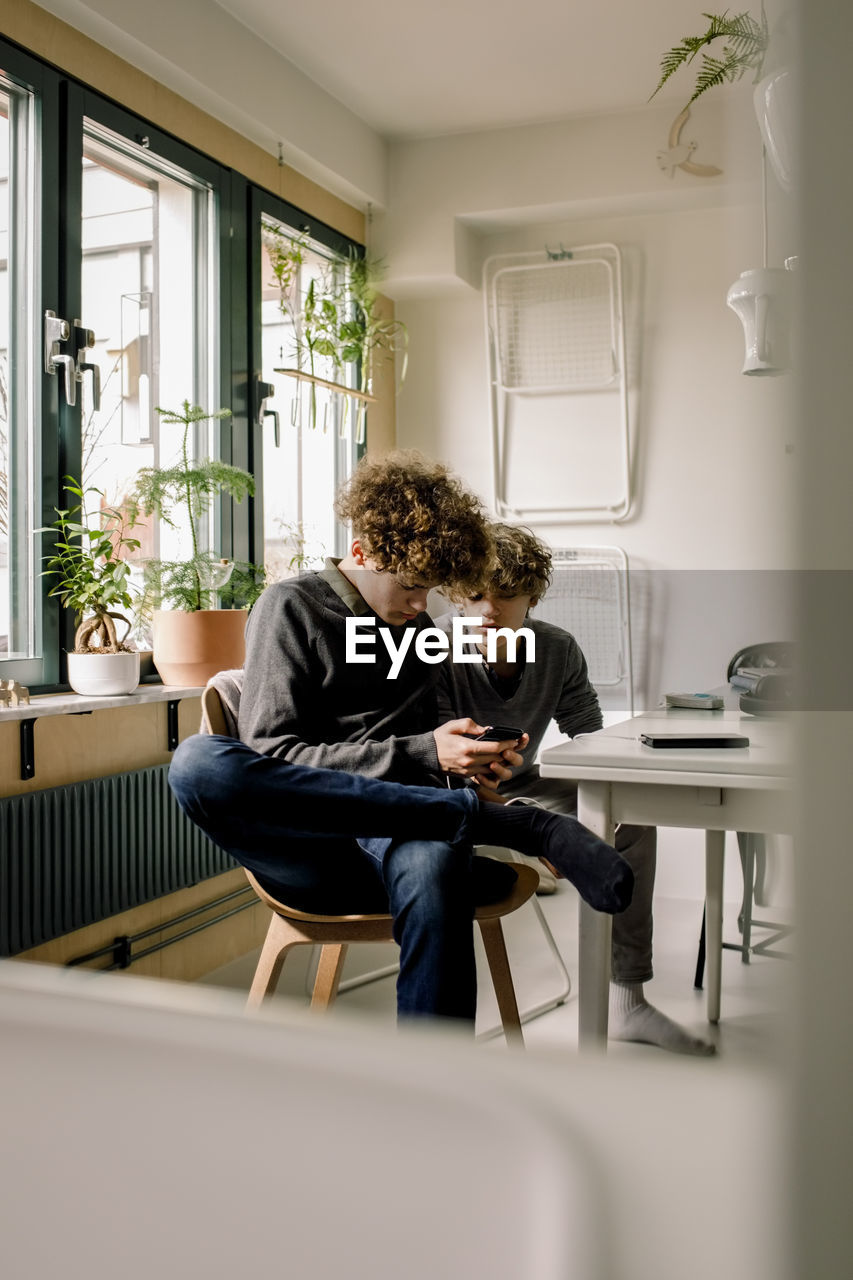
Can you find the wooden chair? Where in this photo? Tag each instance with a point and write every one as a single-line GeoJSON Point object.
{"type": "Point", "coordinates": [292, 928]}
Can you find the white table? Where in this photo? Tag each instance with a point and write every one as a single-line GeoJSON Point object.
{"type": "Point", "coordinates": [723, 789]}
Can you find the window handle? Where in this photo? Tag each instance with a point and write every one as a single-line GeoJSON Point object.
{"type": "Point", "coordinates": [70, 368]}
{"type": "Point", "coordinates": [84, 338]}
{"type": "Point", "coordinates": [266, 390]}
{"type": "Point", "coordinates": [57, 330]}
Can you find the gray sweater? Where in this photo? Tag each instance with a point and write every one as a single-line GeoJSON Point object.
{"type": "Point", "coordinates": [554, 687]}
{"type": "Point", "coordinates": [303, 702]}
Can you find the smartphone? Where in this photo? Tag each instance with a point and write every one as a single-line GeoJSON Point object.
{"type": "Point", "coordinates": [694, 740]}
{"type": "Point", "coordinates": [499, 733]}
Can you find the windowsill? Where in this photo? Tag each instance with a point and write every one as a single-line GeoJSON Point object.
{"type": "Point", "coordinates": [69, 704]}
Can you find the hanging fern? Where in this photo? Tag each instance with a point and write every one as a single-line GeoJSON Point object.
{"type": "Point", "coordinates": [744, 50]}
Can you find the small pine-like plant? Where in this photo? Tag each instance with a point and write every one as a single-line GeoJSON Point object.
{"type": "Point", "coordinates": [189, 486]}
{"type": "Point", "coordinates": [744, 49]}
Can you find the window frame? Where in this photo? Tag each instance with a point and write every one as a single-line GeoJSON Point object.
{"type": "Point", "coordinates": [262, 203]}
{"type": "Point", "coordinates": [44, 85]}
{"type": "Point", "coordinates": [63, 104]}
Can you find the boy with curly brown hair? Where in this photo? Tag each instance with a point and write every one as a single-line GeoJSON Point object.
{"type": "Point", "coordinates": [316, 724]}
{"type": "Point", "coordinates": [532, 694]}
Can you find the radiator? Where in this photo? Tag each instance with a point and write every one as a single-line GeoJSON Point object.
{"type": "Point", "coordinates": [73, 855]}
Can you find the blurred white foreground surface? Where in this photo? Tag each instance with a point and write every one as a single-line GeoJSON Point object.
{"type": "Point", "coordinates": [150, 1129]}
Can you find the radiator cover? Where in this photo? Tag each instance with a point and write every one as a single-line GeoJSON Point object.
{"type": "Point", "coordinates": [73, 855]}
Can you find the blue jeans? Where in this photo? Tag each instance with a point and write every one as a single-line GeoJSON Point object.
{"type": "Point", "coordinates": [305, 833]}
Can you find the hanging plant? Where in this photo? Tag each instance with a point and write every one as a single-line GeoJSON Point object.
{"type": "Point", "coordinates": [337, 321]}
{"type": "Point", "coordinates": [286, 255]}
{"type": "Point", "coordinates": [368, 336]}
{"type": "Point", "coordinates": [744, 49]}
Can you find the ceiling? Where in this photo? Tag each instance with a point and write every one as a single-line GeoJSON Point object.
{"type": "Point", "coordinates": [445, 66]}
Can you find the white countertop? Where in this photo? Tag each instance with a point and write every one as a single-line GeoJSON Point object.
{"type": "Point", "coordinates": [617, 752]}
{"type": "Point", "coordinates": [69, 704]}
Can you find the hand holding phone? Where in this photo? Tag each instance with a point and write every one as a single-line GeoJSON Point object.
{"type": "Point", "coordinates": [499, 733]}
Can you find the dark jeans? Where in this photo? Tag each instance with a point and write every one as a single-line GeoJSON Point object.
{"type": "Point", "coordinates": [297, 829]}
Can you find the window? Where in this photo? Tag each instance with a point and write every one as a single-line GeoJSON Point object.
{"type": "Point", "coordinates": [302, 293]}
{"type": "Point", "coordinates": [145, 260]}
{"type": "Point", "coordinates": [146, 295]}
{"type": "Point", "coordinates": [18, 455]}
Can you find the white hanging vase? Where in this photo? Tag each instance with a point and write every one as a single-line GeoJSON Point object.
{"type": "Point", "coordinates": [775, 108]}
{"type": "Point", "coordinates": [761, 298]}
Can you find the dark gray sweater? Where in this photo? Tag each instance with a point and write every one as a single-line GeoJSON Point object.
{"type": "Point", "coordinates": [554, 687]}
{"type": "Point", "coordinates": [303, 702]}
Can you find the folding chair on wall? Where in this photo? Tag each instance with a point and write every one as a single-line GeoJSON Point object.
{"type": "Point", "coordinates": [558, 384]}
{"type": "Point", "coordinates": [588, 597]}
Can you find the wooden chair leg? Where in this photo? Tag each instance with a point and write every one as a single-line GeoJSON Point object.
{"type": "Point", "coordinates": [279, 940]}
{"type": "Point", "coordinates": [495, 948]}
{"type": "Point", "coordinates": [329, 970]}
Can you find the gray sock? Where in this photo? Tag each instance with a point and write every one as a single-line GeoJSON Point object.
{"type": "Point", "coordinates": [633, 1018]}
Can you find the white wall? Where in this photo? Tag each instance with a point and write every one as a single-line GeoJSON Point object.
{"type": "Point", "coordinates": [711, 536]}
{"type": "Point", "coordinates": [197, 49]}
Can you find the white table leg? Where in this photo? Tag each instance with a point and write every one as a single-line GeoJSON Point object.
{"type": "Point", "coordinates": [715, 845]}
{"type": "Point", "coordinates": [594, 942]}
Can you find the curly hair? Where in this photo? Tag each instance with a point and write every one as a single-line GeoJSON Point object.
{"type": "Point", "coordinates": [417, 520]}
{"type": "Point", "coordinates": [524, 562]}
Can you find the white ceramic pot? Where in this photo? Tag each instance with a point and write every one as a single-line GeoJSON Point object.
{"type": "Point", "coordinates": [102, 675]}
{"type": "Point", "coordinates": [762, 299]}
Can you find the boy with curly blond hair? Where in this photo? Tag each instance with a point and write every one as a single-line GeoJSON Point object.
{"type": "Point", "coordinates": [532, 694]}
{"type": "Point", "coordinates": [336, 745]}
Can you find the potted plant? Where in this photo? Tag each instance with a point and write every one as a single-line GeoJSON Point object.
{"type": "Point", "coordinates": [93, 578]}
{"type": "Point", "coordinates": [193, 638]}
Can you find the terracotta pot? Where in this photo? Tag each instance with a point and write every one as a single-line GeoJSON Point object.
{"type": "Point", "coordinates": [189, 648]}
{"type": "Point", "coordinates": [101, 675]}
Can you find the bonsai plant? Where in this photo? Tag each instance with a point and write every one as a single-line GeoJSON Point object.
{"type": "Point", "coordinates": [193, 639]}
{"type": "Point", "coordinates": [93, 578]}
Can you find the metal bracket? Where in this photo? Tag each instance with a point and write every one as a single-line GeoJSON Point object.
{"type": "Point", "coordinates": [172, 738]}
{"type": "Point", "coordinates": [28, 749]}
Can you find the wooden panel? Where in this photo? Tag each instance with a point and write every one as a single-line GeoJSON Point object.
{"type": "Point", "coordinates": [184, 961]}
{"type": "Point", "coordinates": [77, 747]}
{"type": "Point", "coordinates": [74, 748]}
{"type": "Point", "coordinates": [66, 48]}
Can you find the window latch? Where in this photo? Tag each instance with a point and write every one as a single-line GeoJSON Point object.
{"type": "Point", "coordinates": [57, 330]}
{"type": "Point", "coordinates": [266, 390]}
{"type": "Point", "coordinates": [84, 338]}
